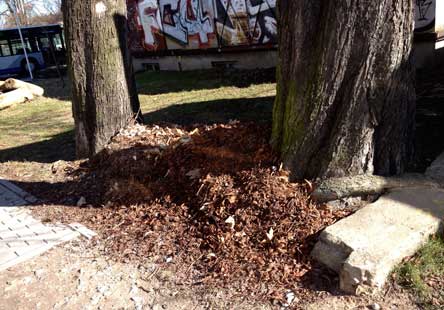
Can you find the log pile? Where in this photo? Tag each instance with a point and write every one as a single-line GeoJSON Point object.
{"type": "Point", "coordinates": [14, 91]}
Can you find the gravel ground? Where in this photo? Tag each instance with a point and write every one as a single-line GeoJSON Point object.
{"type": "Point", "coordinates": [77, 276]}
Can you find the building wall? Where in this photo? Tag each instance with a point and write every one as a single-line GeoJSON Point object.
{"type": "Point", "coordinates": [168, 26]}
{"type": "Point", "coordinates": [425, 11]}
{"type": "Point", "coordinates": [428, 48]}
{"type": "Point", "coordinates": [241, 60]}
{"type": "Point", "coordinates": [439, 18]}
{"type": "Point", "coordinates": [200, 34]}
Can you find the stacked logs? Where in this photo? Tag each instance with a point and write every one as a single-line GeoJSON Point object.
{"type": "Point", "coordinates": [15, 91]}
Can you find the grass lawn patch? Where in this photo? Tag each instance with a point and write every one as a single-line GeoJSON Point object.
{"type": "Point", "coordinates": [42, 130]}
{"type": "Point", "coordinates": [423, 274]}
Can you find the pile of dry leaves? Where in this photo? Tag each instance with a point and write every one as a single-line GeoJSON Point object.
{"type": "Point", "coordinates": [211, 199]}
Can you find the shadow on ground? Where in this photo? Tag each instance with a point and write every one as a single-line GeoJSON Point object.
{"type": "Point", "coordinates": [62, 146]}
{"type": "Point", "coordinates": [211, 112]}
{"type": "Point", "coordinates": [154, 83]}
{"type": "Point", "coordinates": [429, 116]}
{"type": "Point", "coordinates": [163, 82]}
{"type": "Point", "coordinates": [58, 147]}
{"type": "Point", "coordinates": [55, 88]}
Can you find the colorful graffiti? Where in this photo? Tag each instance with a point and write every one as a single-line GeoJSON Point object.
{"type": "Point", "coordinates": [263, 21]}
{"type": "Point", "coordinates": [200, 24]}
{"type": "Point", "coordinates": [232, 22]}
{"type": "Point", "coordinates": [249, 22]}
{"type": "Point", "coordinates": [188, 23]}
{"type": "Point", "coordinates": [425, 15]}
{"type": "Point", "coordinates": [149, 17]}
{"type": "Point", "coordinates": [135, 32]}
{"type": "Point", "coordinates": [170, 25]}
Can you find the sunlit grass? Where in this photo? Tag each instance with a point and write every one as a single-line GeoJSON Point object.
{"type": "Point", "coordinates": [424, 274]}
{"type": "Point", "coordinates": [47, 119]}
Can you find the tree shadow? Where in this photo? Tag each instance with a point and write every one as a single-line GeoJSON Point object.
{"type": "Point", "coordinates": [429, 116]}
{"type": "Point", "coordinates": [161, 82]}
{"type": "Point", "coordinates": [164, 82]}
{"type": "Point", "coordinates": [58, 147]}
{"type": "Point", "coordinates": [55, 88]}
{"type": "Point", "coordinates": [216, 111]}
{"type": "Point", "coordinates": [62, 146]}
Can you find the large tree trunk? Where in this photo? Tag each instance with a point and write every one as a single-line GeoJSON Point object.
{"type": "Point", "coordinates": [345, 101]}
{"type": "Point", "coordinates": [103, 87]}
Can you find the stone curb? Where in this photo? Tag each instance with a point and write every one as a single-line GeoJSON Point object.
{"type": "Point", "coordinates": [366, 246]}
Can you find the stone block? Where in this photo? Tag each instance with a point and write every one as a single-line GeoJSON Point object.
{"type": "Point", "coordinates": [364, 247]}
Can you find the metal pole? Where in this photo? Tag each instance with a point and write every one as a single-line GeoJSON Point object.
{"type": "Point", "coordinates": [51, 47]}
{"type": "Point", "coordinates": [13, 9]}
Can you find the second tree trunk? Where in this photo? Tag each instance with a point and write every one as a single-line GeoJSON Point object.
{"type": "Point", "coordinates": [345, 101]}
{"type": "Point", "coordinates": [103, 86]}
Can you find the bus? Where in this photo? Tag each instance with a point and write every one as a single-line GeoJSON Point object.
{"type": "Point", "coordinates": [45, 46]}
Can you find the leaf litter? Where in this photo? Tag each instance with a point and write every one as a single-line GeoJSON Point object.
{"type": "Point", "coordinates": [211, 199]}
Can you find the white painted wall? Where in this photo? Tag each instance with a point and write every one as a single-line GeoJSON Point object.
{"type": "Point", "coordinates": [439, 18]}
{"type": "Point", "coordinates": [244, 60]}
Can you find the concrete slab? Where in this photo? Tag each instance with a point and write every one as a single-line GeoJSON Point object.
{"type": "Point", "coordinates": [366, 246]}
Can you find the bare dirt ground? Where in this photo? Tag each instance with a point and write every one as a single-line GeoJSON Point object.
{"type": "Point", "coordinates": [77, 276]}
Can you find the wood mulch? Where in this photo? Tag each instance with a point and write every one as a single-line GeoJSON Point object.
{"type": "Point", "coordinates": [212, 200]}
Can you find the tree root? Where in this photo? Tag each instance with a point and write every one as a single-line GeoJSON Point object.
{"type": "Point", "coordinates": [363, 185]}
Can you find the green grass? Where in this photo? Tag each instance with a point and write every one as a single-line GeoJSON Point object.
{"type": "Point", "coordinates": [42, 130]}
{"type": "Point", "coordinates": [27, 131]}
{"type": "Point", "coordinates": [176, 96]}
{"type": "Point", "coordinates": [424, 274]}
{"type": "Point", "coordinates": [169, 81]}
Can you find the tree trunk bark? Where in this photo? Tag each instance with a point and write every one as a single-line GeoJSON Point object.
{"type": "Point", "coordinates": [103, 87]}
{"type": "Point", "coordinates": [345, 100]}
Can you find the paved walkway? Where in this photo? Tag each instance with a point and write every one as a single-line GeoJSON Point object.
{"type": "Point", "coordinates": [23, 237]}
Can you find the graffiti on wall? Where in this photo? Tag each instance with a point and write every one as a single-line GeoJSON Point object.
{"type": "Point", "coordinates": [188, 23]}
{"type": "Point", "coordinates": [149, 19]}
{"type": "Point", "coordinates": [246, 22]}
{"type": "Point", "coordinates": [263, 21]}
{"type": "Point", "coordinates": [425, 15]}
{"type": "Point", "coordinates": [135, 34]}
{"type": "Point", "coordinates": [159, 25]}
{"type": "Point", "coordinates": [232, 22]}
